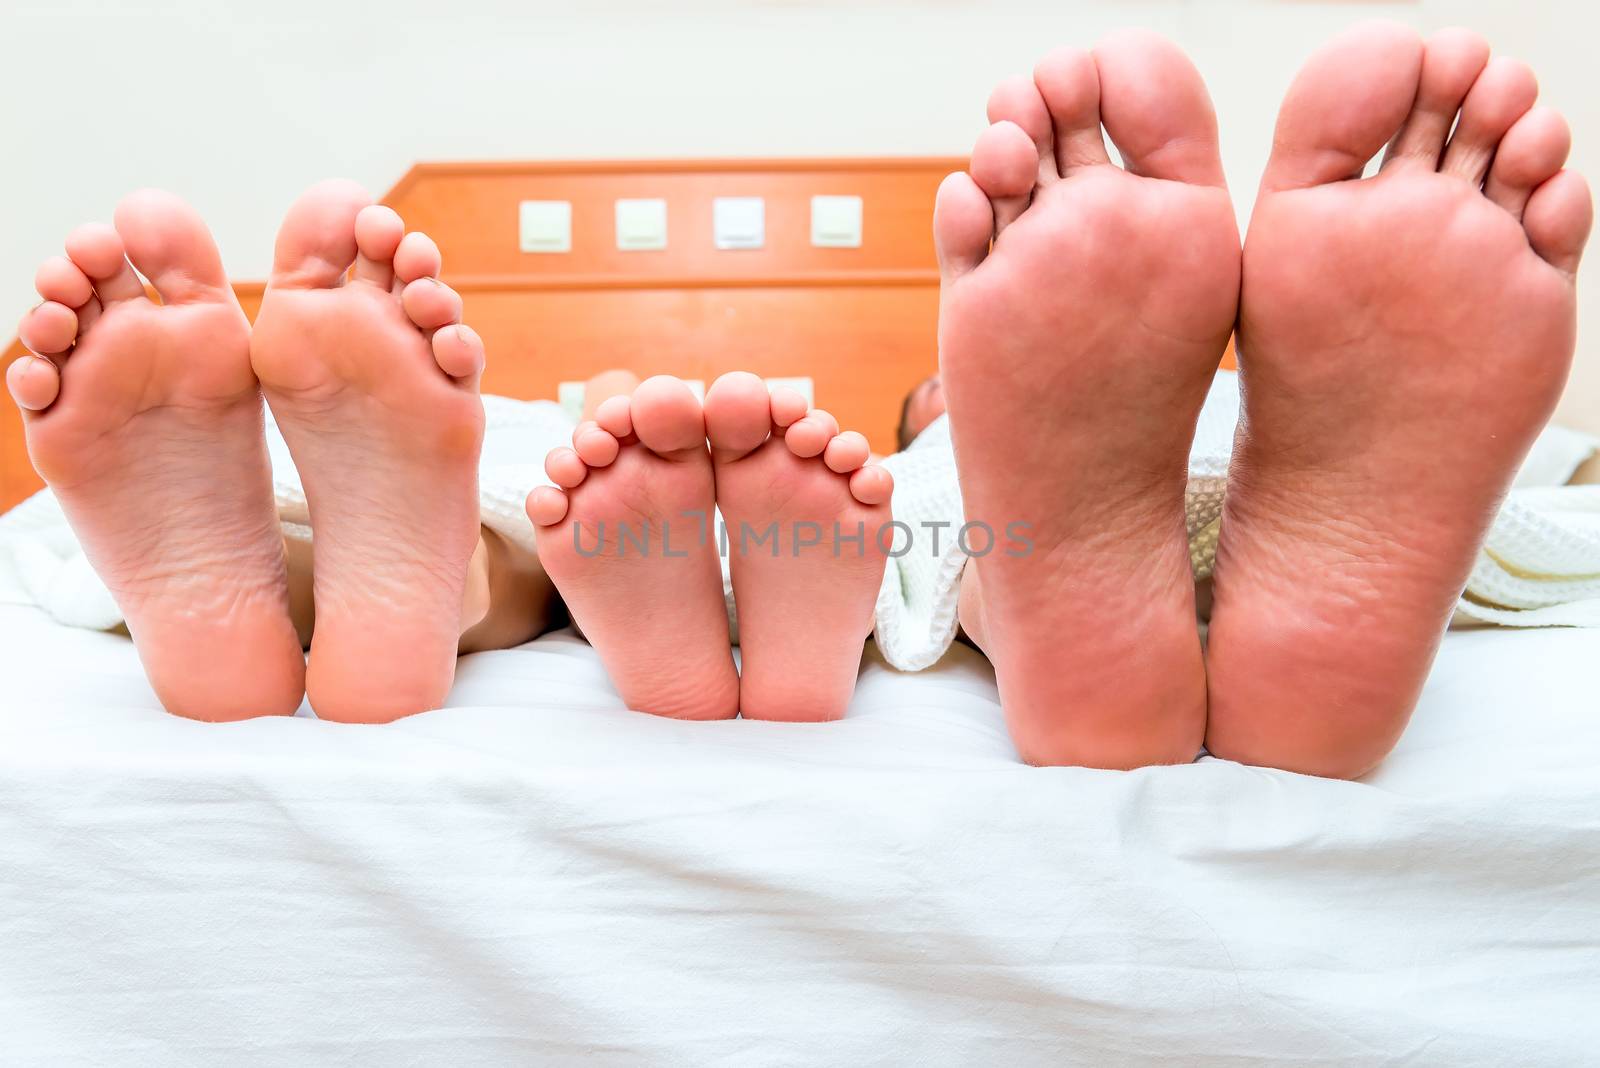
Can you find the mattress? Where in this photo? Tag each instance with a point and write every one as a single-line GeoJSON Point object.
{"type": "Point", "coordinates": [534, 873]}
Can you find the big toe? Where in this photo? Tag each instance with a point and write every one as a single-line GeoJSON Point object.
{"type": "Point", "coordinates": [317, 241]}
{"type": "Point", "coordinates": [738, 413]}
{"type": "Point", "coordinates": [1347, 102]}
{"type": "Point", "coordinates": [170, 244]}
{"type": "Point", "coordinates": [667, 416]}
{"type": "Point", "coordinates": [1155, 108]}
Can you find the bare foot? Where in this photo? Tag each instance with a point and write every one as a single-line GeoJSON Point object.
{"type": "Point", "coordinates": [804, 518]}
{"type": "Point", "coordinates": [1075, 356]}
{"type": "Point", "coordinates": [627, 540]}
{"type": "Point", "coordinates": [374, 383]}
{"type": "Point", "coordinates": [1402, 340]}
{"type": "Point", "coordinates": [151, 437]}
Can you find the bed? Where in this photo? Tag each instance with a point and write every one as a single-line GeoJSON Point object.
{"type": "Point", "coordinates": [534, 872]}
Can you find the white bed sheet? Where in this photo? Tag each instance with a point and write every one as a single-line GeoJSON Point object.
{"type": "Point", "coordinates": [535, 873]}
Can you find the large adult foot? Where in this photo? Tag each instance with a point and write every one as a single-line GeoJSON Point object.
{"type": "Point", "coordinates": [145, 419]}
{"type": "Point", "coordinates": [626, 536]}
{"type": "Point", "coordinates": [804, 520]}
{"type": "Point", "coordinates": [1402, 340]}
{"type": "Point", "coordinates": [1075, 355]}
{"type": "Point", "coordinates": [374, 382]}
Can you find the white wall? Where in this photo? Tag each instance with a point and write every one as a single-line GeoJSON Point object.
{"type": "Point", "coordinates": [239, 106]}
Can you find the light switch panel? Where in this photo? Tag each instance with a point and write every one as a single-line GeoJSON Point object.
{"type": "Point", "coordinates": [545, 225]}
{"type": "Point", "coordinates": [641, 225]}
{"type": "Point", "coordinates": [836, 222]}
{"type": "Point", "coordinates": [739, 222]}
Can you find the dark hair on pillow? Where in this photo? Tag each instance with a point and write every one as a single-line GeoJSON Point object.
{"type": "Point", "coordinates": [902, 433]}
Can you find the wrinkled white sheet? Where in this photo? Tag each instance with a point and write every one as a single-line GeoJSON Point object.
{"type": "Point", "coordinates": [536, 873]}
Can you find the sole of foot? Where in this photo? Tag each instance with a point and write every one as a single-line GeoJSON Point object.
{"type": "Point", "coordinates": [626, 537]}
{"type": "Point", "coordinates": [374, 382]}
{"type": "Point", "coordinates": [145, 419]}
{"type": "Point", "coordinates": [1075, 354]}
{"type": "Point", "coordinates": [1403, 338]}
{"type": "Point", "coordinates": [805, 518]}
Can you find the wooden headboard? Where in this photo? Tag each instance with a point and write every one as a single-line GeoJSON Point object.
{"type": "Point", "coordinates": [860, 322]}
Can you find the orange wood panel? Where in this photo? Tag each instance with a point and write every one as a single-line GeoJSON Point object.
{"type": "Point", "coordinates": [860, 322]}
{"type": "Point", "coordinates": [872, 344]}
{"type": "Point", "coordinates": [17, 477]}
{"type": "Point", "coordinates": [471, 209]}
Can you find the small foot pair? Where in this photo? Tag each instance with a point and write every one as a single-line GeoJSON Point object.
{"type": "Point", "coordinates": [1402, 339]}
{"type": "Point", "coordinates": [145, 418]}
{"type": "Point", "coordinates": [628, 536]}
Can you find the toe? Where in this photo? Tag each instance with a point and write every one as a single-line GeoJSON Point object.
{"type": "Point", "coordinates": [811, 435]}
{"type": "Point", "coordinates": [565, 467]}
{"type": "Point", "coordinates": [546, 506]}
{"type": "Point", "coordinates": [1558, 218]}
{"type": "Point", "coordinates": [431, 304]}
{"type": "Point", "coordinates": [1451, 61]}
{"type": "Point", "coordinates": [1346, 103]}
{"type": "Point", "coordinates": [1004, 167]}
{"type": "Point", "coordinates": [963, 223]}
{"type": "Point", "coordinates": [317, 241]}
{"type": "Point", "coordinates": [1069, 84]}
{"type": "Point", "coordinates": [48, 329]}
{"type": "Point", "coordinates": [872, 484]}
{"type": "Point", "coordinates": [458, 350]}
{"type": "Point", "coordinates": [667, 416]}
{"type": "Point", "coordinates": [1155, 108]}
{"type": "Point", "coordinates": [615, 417]}
{"type": "Point", "coordinates": [738, 414]}
{"type": "Point", "coordinates": [1530, 154]}
{"type": "Point", "coordinates": [417, 257]}
{"type": "Point", "coordinates": [170, 244]}
{"type": "Point", "coordinates": [97, 251]}
{"type": "Point", "coordinates": [1017, 101]}
{"type": "Point", "coordinates": [1502, 94]}
{"type": "Point", "coordinates": [378, 233]}
{"type": "Point", "coordinates": [846, 452]}
{"type": "Point", "coordinates": [594, 446]}
{"type": "Point", "coordinates": [34, 382]}
{"type": "Point", "coordinates": [789, 406]}
{"type": "Point", "coordinates": [60, 280]}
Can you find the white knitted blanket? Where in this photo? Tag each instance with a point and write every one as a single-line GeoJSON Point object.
{"type": "Point", "coordinates": [1540, 566]}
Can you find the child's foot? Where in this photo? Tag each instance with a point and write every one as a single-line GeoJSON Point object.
{"type": "Point", "coordinates": [374, 382]}
{"type": "Point", "coordinates": [628, 541]}
{"type": "Point", "coordinates": [1075, 356]}
{"type": "Point", "coordinates": [146, 422]}
{"type": "Point", "coordinates": [1402, 340]}
{"type": "Point", "coordinates": [804, 518]}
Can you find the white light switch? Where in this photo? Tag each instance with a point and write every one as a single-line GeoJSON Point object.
{"type": "Point", "coordinates": [836, 222]}
{"type": "Point", "coordinates": [545, 225]}
{"type": "Point", "coordinates": [641, 224]}
{"type": "Point", "coordinates": [739, 222]}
